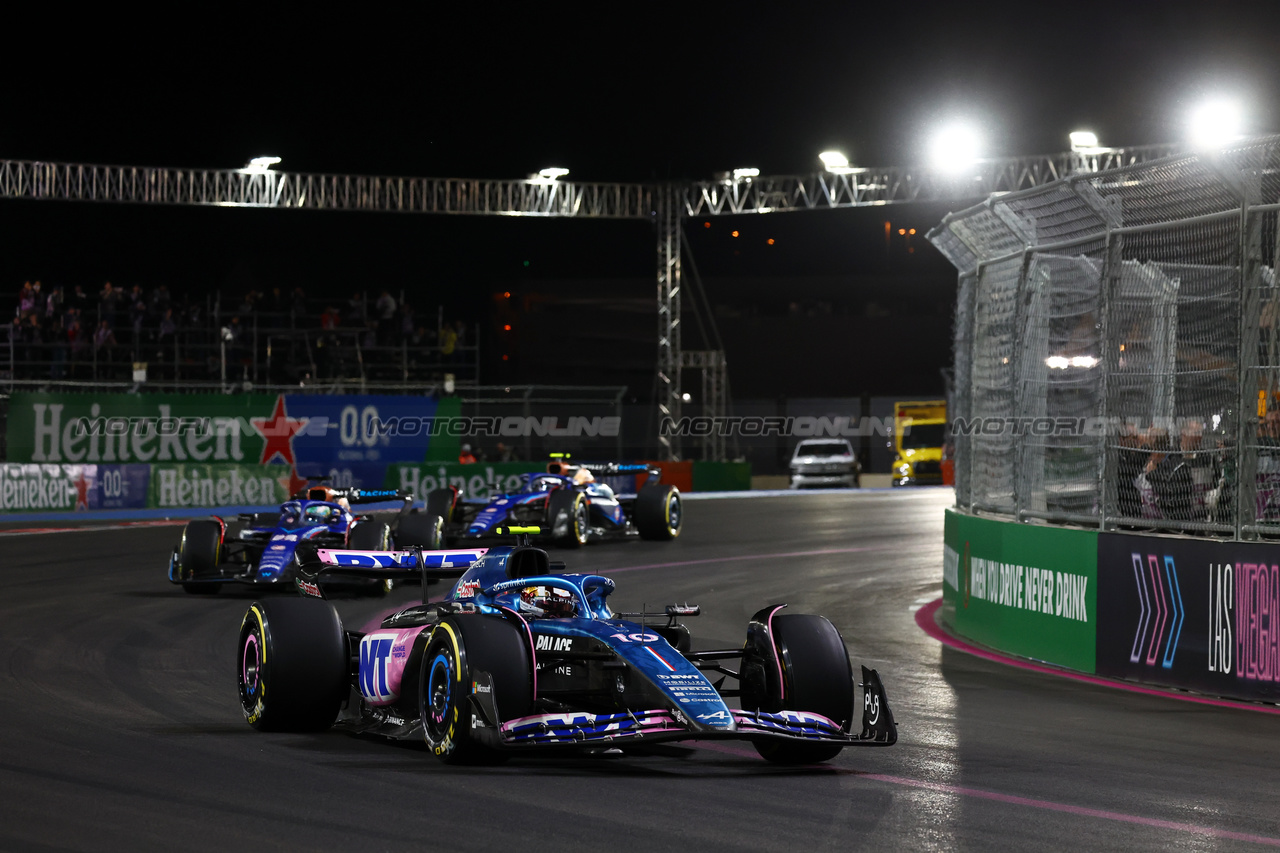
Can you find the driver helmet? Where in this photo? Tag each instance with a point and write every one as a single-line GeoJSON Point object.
{"type": "Point", "coordinates": [542, 602]}
{"type": "Point", "coordinates": [321, 513]}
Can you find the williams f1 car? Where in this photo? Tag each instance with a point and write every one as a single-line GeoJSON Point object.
{"type": "Point", "coordinates": [568, 504]}
{"type": "Point", "coordinates": [523, 656]}
{"type": "Point", "coordinates": [266, 548]}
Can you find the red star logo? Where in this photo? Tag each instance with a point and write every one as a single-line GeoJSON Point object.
{"type": "Point", "coordinates": [293, 483]}
{"type": "Point", "coordinates": [278, 432]}
{"type": "Point", "coordinates": [82, 491]}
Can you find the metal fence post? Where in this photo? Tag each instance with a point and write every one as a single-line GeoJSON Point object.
{"type": "Point", "coordinates": [1246, 356]}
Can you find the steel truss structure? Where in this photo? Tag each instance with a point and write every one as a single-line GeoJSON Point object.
{"type": "Point", "coordinates": [667, 204]}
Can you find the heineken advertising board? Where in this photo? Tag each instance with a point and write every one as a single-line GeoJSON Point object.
{"type": "Point", "coordinates": [1030, 590]}
{"type": "Point", "coordinates": [349, 438]}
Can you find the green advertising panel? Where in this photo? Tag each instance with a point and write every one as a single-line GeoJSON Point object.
{"type": "Point", "coordinates": [721, 476]}
{"type": "Point", "coordinates": [108, 428]}
{"type": "Point", "coordinates": [477, 480]}
{"type": "Point", "coordinates": [186, 486]}
{"type": "Point", "coordinates": [1026, 589]}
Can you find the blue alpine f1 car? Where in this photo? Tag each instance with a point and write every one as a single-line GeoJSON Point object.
{"type": "Point", "coordinates": [266, 548]}
{"type": "Point", "coordinates": [524, 656]}
{"type": "Point", "coordinates": [568, 503]}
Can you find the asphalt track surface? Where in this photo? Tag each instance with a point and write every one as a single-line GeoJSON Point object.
{"type": "Point", "coordinates": [121, 730]}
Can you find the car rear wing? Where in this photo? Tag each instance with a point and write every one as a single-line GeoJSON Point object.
{"type": "Point", "coordinates": [337, 563]}
{"type": "Point", "coordinates": [605, 469]}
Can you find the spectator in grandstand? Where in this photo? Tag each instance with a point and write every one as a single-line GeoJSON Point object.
{"type": "Point", "coordinates": [1170, 479]}
{"type": "Point", "coordinates": [104, 341]}
{"type": "Point", "coordinates": [503, 453]}
{"type": "Point", "coordinates": [406, 322]}
{"type": "Point", "coordinates": [465, 456]}
{"type": "Point", "coordinates": [168, 330]}
{"type": "Point", "coordinates": [53, 303]}
{"type": "Point", "coordinates": [38, 300]}
{"type": "Point", "coordinates": [448, 343]}
{"type": "Point", "coordinates": [385, 308]}
{"type": "Point", "coordinates": [356, 309]}
{"type": "Point", "coordinates": [77, 338]}
{"type": "Point", "coordinates": [108, 303]}
{"type": "Point", "coordinates": [77, 301]}
{"type": "Point", "coordinates": [160, 301]}
{"type": "Point", "coordinates": [1267, 503]}
{"type": "Point", "coordinates": [26, 301]}
{"type": "Point", "coordinates": [1131, 455]}
{"type": "Point", "coordinates": [137, 314]}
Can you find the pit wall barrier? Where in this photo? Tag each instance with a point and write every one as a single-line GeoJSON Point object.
{"type": "Point", "coordinates": [34, 487]}
{"type": "Point", "coordinates": [1170, 611]}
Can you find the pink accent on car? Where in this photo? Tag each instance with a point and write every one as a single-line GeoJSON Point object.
{"type": "Point", "coordinates": [401, 647]}
{"type": "Point", "coordinates": [777, 658]}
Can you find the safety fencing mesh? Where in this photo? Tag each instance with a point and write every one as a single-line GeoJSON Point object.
{"type": "Point", "coordinates": [1117, 347]}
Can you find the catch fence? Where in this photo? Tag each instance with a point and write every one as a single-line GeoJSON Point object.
{"type": "Point", "coordinates": [1117, 347]}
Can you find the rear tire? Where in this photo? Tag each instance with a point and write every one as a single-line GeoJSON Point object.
{"type": "Point", "coordinates": [568, 517]}
{"type": "Point", "coordinates": [292, 665]}
{"type": "Point", "coordinates": [459, 648]}
{"type": "Point", "coordinates": [817, 678]}
{"type": "Point", "coordinates": [659, 512]}
{"type": "Point", "coordinates": [200, 554]}
{"type": "Point", "coordinates": [370, 536]}
{"type": "Point", "coordinates": [422, 529]}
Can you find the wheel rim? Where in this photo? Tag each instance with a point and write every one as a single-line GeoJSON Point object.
{"type": "Point", "coordinates": [673, 513]}
{"type": "Point", "coordinates": [436, 697]}
{"type": "Point", "coordinates": [580, 521]}
{"type": "Point", "coordinates": [250, 670]}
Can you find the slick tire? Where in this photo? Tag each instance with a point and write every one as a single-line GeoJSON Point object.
{"type": "Point", "coordinates": [462, 652]}
{"type": "Point", "coordinates": [421, 529]}
{"type": "Point", "coordinates": [659, 512]}
{"type": "Point", "coordinates": [200, 552]}
{"type": "Point", "coordinates": [292, 665]}
{"type": "Point", "coordinates": [817, 677]}
{"type": "Point", "coordinates": [568, 517]}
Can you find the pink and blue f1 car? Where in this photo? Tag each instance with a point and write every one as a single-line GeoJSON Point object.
{"type": "Point", "coordinates": [522, 655]}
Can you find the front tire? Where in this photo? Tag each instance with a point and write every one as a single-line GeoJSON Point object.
{"type": "Point", "coordinates": [817, 677]}
{"type": "Point", "coordinates": [659, 513]}
{"type": "Point", "coordinates": [200, 553]}
{"type": "Point", "coordinates": [459, 650]}
{"type": "Point", "coordinates": [292, 665]}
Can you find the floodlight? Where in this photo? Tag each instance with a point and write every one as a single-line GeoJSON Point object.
{"type": "Point", "coordinates": [1081, 139]}
{"type": "Point", "coordinates": [833, 160]}
{"type": "Point", "coordinates": [1215, 123]}
{"type": "Point", "coordinates": [739, 174]}
{"type": "Point", "coordinates": [553, 172]}
{"type": "Point", "coordinates": [954, 147]}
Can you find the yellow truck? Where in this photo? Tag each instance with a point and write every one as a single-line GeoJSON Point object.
{"type": "Point", "coordinates": [919, 427]}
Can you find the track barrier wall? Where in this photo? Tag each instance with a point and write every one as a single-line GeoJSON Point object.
{"type": "Point", "coordinates": [1171, 611]}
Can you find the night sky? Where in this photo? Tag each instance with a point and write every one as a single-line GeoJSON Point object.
{"type": "Point", "coordinates": [627, 92]}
